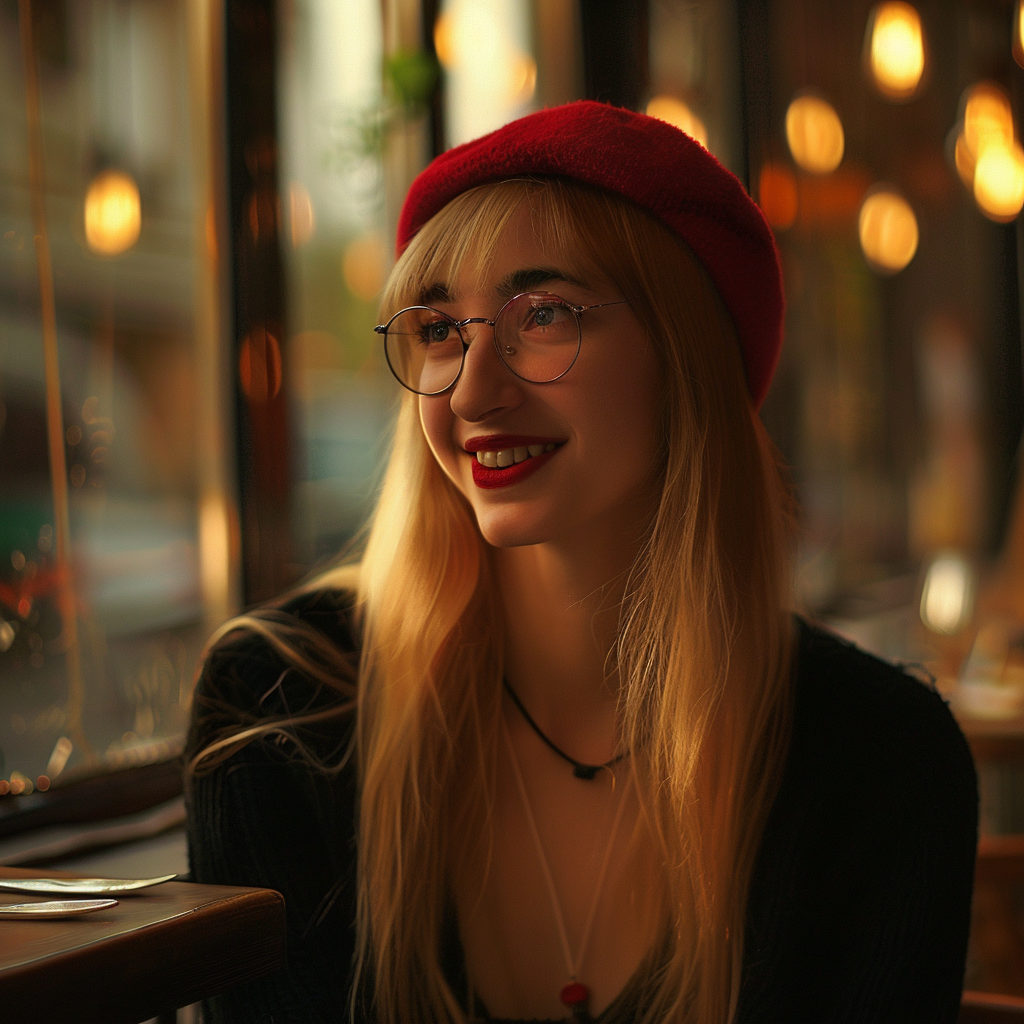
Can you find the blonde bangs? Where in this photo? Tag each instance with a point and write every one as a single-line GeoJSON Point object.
{"type": "Point", "coordinates": [462, 238]}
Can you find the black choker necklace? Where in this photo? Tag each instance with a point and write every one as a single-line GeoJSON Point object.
{"type": "Point", "coordinates": [579, 769]}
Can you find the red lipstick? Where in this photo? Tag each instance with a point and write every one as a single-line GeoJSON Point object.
{"type": "Point", "coordinates": [490, 478]}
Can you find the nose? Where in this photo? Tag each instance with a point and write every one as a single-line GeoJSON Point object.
{"type": "Point", "coordinates": [486, 384]}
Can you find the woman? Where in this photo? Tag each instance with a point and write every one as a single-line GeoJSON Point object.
{"type": "Point", "coordinates": [555, 747]}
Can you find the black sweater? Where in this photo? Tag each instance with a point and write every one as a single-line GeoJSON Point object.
{"type": "Point", "coordinates": [860, 901]}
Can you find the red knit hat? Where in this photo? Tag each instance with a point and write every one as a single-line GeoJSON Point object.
{"type": "Point", "coordinates": [659, 168]}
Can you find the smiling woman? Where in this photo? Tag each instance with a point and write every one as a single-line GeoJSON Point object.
{"type": "Point", "coordinates": [554, 745]}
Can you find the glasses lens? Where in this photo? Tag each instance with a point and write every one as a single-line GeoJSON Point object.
{"type": "Point", "coordinates": [538, 337]}
{"type": "Point", "coordinates": [424, 350]}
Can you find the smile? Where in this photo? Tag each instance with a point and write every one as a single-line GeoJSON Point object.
{"type": "Point", "coordinates": [512, 456]}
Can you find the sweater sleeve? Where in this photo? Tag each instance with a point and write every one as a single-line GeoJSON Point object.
{"type": "Point", "coordinates": [270, 816]}
{"type": "Point", "coordinates": [860, 903]}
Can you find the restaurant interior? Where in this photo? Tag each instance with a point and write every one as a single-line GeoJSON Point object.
{"type": "Point", "coordinates": [198, 201]}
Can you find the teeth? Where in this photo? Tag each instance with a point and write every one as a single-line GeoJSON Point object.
{"type": "Point", "coordinates": [509, 456]}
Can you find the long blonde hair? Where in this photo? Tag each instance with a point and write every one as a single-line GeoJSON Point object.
{"type": "Point", "coordinates": [703, 648]}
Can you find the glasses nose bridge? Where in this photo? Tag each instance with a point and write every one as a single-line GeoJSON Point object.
{"type": "Point", "coordinates": [461, 325]}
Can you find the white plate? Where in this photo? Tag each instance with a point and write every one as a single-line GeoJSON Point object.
{"type": "Point", "coordinates": [54, 908]}
{"type": "Point", "coordinates": [67, 886]}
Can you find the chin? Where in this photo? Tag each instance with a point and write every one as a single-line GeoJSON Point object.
{"type": "Point", "coordinates": [509, 529]}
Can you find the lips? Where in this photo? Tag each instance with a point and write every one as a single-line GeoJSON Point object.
{"type": "Point", "coordinates": [501, 460]}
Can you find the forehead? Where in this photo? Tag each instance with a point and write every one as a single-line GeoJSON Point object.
{"type": "Point", "coordinates": [523, 253]}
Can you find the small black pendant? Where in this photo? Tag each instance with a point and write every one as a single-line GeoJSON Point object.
{"type": "Point", "coordinates": [586, 771]}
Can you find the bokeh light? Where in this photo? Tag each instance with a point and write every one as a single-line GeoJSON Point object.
{"type": "Point", "coordinates": [815, 134]}
{"type": "Point", "coordinates": [999, 181]}
{"type": "Point", "coordinates": [947, 599]}
{"type": "Point", "coordinates": [988, 158]}
{"type": "Point", "coordinates": [675, 111]}
{"type": "Point", "coordinates": [896, 54]}
{"type": "Point", "coordinates": [988, 119]}
{"type": "Point", "coordinates": [113, 213]}
{"type": "Point", "coordinates": [888, 231]}
{"type": "Point", "coordinates": [777, 195]}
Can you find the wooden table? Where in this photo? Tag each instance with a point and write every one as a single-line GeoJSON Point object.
{"type": "Point", "coordinates": [158, 950]}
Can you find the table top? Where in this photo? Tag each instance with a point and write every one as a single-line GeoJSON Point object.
{"type": "Point", "coordinates": [158, 949]}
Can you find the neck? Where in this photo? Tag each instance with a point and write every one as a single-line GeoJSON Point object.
{"type": "Point", "coordinates": [562, 605]}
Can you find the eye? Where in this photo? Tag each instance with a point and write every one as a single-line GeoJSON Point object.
{"type": "Point", "coordinates": [544, 316]}
{"type": "Point", "coordinates": [436, 331]}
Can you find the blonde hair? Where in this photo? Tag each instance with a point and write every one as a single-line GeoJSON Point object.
{"type": "Point", "coordinates": [703, 648]}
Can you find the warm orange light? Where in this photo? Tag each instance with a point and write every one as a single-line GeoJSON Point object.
{"type": "Point", "coordinates": [896, 56]}
{"type": "Point", "coordinates": [999, 181]}
{"type": "Point", "coordinates": [300, 209]}
{"type": "Point", "coordinates": [113, 213]}
{"type": "Point", "coordinates": [777, 195]}
{"type": "Point", "coordinates": [988, 158]}
{"type": "Point", "coordinates": [444, 40]}
{"type": "Point", "coordinates": [363, 265]}
{"type": "Point", "coordinates": [987, 117]}
{"type": "Point", "coordinates": [888, 231]}
{"type": "Point", "coordinates": [675, 111]}
{"type": "Point", "coordinates": [815, 134]}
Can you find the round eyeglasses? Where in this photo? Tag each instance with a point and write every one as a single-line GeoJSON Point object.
{"type": "Point", "coordinates": [537, 336]}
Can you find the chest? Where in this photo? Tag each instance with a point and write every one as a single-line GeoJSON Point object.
{"type": "Point", "coordinates": [559, 887]}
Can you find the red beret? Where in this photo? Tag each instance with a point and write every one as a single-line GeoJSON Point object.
{"type": "Point", "coordinates": [659, 168]}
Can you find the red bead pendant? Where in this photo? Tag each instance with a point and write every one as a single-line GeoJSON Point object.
{"type": "Point", "coordinates": [574, 994]}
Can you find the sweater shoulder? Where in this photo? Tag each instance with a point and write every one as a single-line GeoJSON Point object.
{"type": "Point", "coordinates": [855, 707]}
{"type": "Point", "coordinates": [292, 657]}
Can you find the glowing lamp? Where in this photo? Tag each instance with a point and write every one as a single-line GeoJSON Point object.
{"type": "Point", "coordinates": [675, 111]}
{"type": "Point", "coordinates": [947, 599]}
{"type": "Point", "coordinates": [888, 231]}
{"type": "Point", "coordinates": [987, 117]}
{"type": "Point", "coordinates": [815, 134]}
{"type": "Point", "coordinates": [999, 181]}
{"type": "Point", "coordinates": [896, 50]}
{"type": "Point", "coordinates": [113, 213]}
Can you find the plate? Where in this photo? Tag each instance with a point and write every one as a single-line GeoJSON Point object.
{"type": "Point", "coordinates": [53, 908]}
{"type": "Point", "coordinates": [90, 886]}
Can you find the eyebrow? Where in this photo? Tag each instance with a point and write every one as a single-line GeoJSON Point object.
{"type": "Point", "coordinates": [518, 281]}
{"type": "Point", "coordinates": [527, 279]}
{"type": "Point", "coordinates": [435, 293]}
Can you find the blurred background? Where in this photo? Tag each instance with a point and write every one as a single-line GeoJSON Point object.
{"type": "Point", "coordinates": [197, 207]}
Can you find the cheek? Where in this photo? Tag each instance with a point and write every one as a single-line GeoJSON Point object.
{"type": "Point", "coordinates": [436, 422]}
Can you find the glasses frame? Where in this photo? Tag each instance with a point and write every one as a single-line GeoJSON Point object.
{"type": "Point", "coordinates": [459, 324]}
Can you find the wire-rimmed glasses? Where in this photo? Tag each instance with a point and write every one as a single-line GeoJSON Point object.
{"type": "Point", "coordinates": [537, 336]}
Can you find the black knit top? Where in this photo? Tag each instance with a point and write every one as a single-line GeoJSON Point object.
{"type": "Point", "coordinates": [860, 901]}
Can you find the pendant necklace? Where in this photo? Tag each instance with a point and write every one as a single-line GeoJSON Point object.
{"type": "Point", "coordinates": [574, 994]}
{"type": "Point", "coordinates": [579, 768]}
